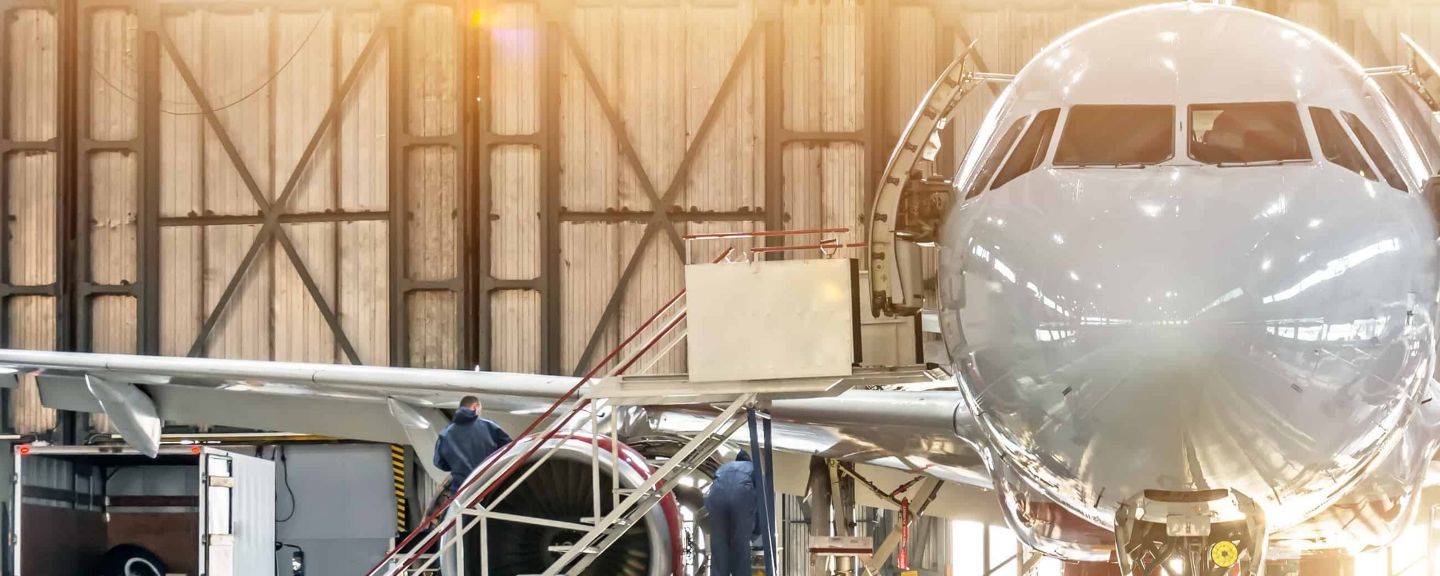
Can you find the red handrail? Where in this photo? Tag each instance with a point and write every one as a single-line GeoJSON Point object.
{"type": "Point", "coordinates": [821, 246]}
{"type": "Point", "coordinates": [764, 234]}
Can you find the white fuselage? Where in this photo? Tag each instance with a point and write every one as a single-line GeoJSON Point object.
{"type": "Point", "coordinates": [1184, 324]}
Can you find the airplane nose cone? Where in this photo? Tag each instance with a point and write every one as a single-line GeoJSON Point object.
{"type": "Point", "coordinates": [1170, 332]}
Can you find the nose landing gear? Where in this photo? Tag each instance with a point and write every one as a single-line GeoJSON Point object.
{"type": "Point", "coordinates": [1198, 533]}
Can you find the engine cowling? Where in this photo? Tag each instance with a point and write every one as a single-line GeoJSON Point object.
{"type": "Point", "coordinates": [561, 489]}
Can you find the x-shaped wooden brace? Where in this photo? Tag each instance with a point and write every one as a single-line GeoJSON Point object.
{"type": "Point", "coordinates": [271, 228]}
{"type": "Point", "coordinates": [659, 217]}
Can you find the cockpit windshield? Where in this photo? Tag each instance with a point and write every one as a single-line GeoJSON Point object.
{"type": "Point", "coordinates": [1116, 135]}
{"type": "Point", "coordinates": [1247, 133]}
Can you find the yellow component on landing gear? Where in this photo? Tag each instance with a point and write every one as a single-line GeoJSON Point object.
{"type": "Point", "coordinates": [1224, 554]}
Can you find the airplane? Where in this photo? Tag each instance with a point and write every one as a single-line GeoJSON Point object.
{"type": "Point", "coordinates": [1188, 286]}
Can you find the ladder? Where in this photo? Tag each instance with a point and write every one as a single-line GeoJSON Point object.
{"type": "Point", "coordinates": [639, 501]}
{"type": "Point", "coordinates": [422, 553]}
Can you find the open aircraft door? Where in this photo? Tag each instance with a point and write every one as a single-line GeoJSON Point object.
{"type": "Point", "coordinates": [911, 199]}
{"type": "Point", "coordinates": [238, 508]}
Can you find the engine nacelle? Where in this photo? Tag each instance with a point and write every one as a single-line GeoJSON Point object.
{"type": "Point", "coordinates": [561, 489]}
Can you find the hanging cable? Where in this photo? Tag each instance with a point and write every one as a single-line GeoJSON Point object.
{"type": "Point", "coordinates": [285, 476]}
{"type": "Point", "coordinates": [268, 81]}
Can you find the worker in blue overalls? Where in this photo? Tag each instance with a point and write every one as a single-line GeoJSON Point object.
{"type": "Point", "coordinates": [467, 442]}
{"type": "Point", "coordinates": [733, 503]}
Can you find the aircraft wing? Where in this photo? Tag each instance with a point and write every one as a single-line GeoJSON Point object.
{"type": "Point", "coordinates": [904, 430]}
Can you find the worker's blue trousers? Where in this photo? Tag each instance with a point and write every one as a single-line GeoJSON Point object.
{"type": "Point", "coordinates": [732, 524]}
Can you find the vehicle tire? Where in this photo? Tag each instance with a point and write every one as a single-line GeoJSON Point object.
{"type": "Point", "coordinates": [131, 560]}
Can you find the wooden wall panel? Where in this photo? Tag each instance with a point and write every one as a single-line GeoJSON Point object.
{"type": "Point", "coordinates": [182, 127]}
{"type": "Point", "coordinates": [432, 213]}
{"type": "Point", "coordinates": [650, 95]}
{"type": "Point", "coordinates": [245, 328]}
{"type": "Point", "coordinates": [825, 188]}
{"type": "Point", "coordinates": [182, 251]}
{"type": "Point", "coordinates": [514, 328]}
{"type": "Point", "coordinates": [433, 317]}
{"type": "Point", "coordinates": [364, 123]}
{"type": "Point", "coordinates": [589, 272]}
{"type": "Point", "coordinates": [658, 277]}
{"type": "Point", "coordinates": [433, 86]}
{"type": "Point", "coordinates": [825, 91]}
{"type": "Point", "coordinates": [233, 63]}
{"type": "Point", "coordinates": [34, 49]}
{"type": "Point", "coordinates": [272, 75]}
{"type": "Point", "coordinates": [433, 240]}
{"type": "Point", "coordinates": [117, 314]}
{"type": "Point", "coordinates": [31, 327]}
{"type": "Point", "coordinates": [516, 213]}
{"type": "Point", "coordinates": [113, 43]}
{"type": "Point", "coordinates": [109, 115]}
{"type": "Point", "coordinates": [912, 57]}
{"type": "Point", "coordinates": [301, 333]}
{"type": "Point", "coordinates": [660, 68]}
{"type": "Point", "coordinates": [33, 200]}
{"type": "Point", "coordinates": [364, 297]}
{"type": "Point", "coordinates": [113, 212]}
{"type": "Point", "coordinates": [303, 91]}
{"type": "Point", "coordinates": [588, 147]}
{"type": "Point", "coordinates": [515, 74]}
{"type": "Point", "coordinates": [728, 173]}
{"type": "Point", "coordinates": [824, 68]}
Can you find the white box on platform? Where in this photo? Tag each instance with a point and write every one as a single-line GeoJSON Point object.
{"type": "Point", "coordinates": [770, 319]}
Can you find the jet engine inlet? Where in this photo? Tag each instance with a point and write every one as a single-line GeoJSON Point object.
{"type": "Point", "coordinates": [561, 489]}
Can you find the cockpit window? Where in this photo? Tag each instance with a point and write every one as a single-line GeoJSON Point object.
{"type": "Point", "coordinates": [1337, 145]}
{"type": "Point", "coordinates": [1247, 133]}
{"type": "Point", "coordinates": [997, 155]}
{"type": "Point", "coordinates": [1031, 150]}
{"type": "Point", "coordinates": [1117, 135]}
{"type": "Point", "coordinates": [1377, 153]}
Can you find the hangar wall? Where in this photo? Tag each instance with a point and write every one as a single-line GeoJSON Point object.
{"type": "Point", "coordinates": [453, 183]}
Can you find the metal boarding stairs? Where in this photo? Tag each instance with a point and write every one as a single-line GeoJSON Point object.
{"type": "Point", "coordinates": [424, 552]}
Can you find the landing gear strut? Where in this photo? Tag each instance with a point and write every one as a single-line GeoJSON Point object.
{"type": "Point", "coordinates": [1200, 533]}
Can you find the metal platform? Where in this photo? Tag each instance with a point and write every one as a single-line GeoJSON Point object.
{"type": "Point", "coordinates": [740, 340]}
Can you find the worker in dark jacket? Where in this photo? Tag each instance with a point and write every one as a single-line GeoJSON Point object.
{"type": "Point", "coordinates": [733, 502]}
{"type": "Point", "coordinates": [467, 442]}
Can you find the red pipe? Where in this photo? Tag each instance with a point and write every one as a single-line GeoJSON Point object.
{"type": "Point", "coordinates": [902, 557]}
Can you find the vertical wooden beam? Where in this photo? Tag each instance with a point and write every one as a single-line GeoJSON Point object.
{"type": "Point", "coordinates": [481, 93]}
{"type": "Point", "coordinates": [774, 125]}
{"type": "Point", "coordinates": [6, 14]}
{"type": "Point", "coordinates": [65, 135]}
{"type": "Point", "coordinates": [272, 67]}
{"type": "Point", "coordinates": [466, 201]}
{"type": "Point", "coordinates": [148, 234]}
{"type": "Point", "coordinates": [399, 313]}
{"type": "Point", "coordinates": [80, 266]}
{"type": "Point", "coordinates": [552, 336]}
{"type": "Point", "coordinates": [873, 112]}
